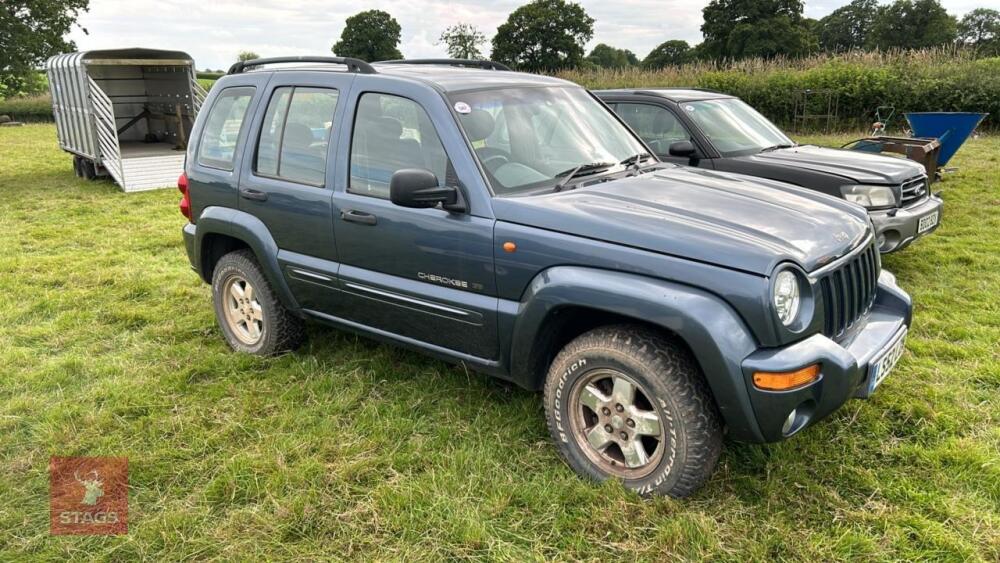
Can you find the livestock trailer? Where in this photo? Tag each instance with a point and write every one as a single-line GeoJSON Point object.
{"type": "Point", "coordinates": [125, 113]}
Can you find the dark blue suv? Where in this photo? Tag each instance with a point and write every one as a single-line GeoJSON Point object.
{"type": "Point", "coordinates": [511, 223]}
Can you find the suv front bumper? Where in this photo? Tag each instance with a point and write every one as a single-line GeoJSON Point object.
{"type": "Point", "coordinates": [844, 366]}
{"type": "Point", "coordinates": [895, 229]}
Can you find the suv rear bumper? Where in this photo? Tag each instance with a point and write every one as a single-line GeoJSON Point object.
{"type": "Point", "coordinates": [190, 244]}
{"type": "Point", "coordinates": [844, 366]}
{"type": "Point", "coordinates": [895, 231]}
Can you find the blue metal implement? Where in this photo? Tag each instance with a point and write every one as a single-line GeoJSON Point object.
{"type": "Point", "coordinates": [950, 128]}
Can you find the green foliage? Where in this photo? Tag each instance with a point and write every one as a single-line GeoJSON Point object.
{"type": "Point", "coordinates": [669, 53]}
{"type": "Point", "coordinates": [353, 450]}
{"type": "Point", "coordinates": [912, 24]}
{"type": "Point", "coordinates": [929, 80]}
{"type": "Point", "coordinates": [30, 32]}
{"type": "Point", "coordinates": [737, 29]}
{"type": "Point", "coordinates": [371, 36]}
{"type": "Point", "coordinates": [980, 29]}
{"type": "Point", "coordinates": [245, 56]}
{"type": "Point", "coordinates": [544, 35]}
{"type": "Point", "coordinates": [606, 56]}
{"type": "Point", "coordinates": [847, 27]}
{"type": "Point", "coordinates": [463, 41]}
{"type": "Point", "coordinates": [27, 108]}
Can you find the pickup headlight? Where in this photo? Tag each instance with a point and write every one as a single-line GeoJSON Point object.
{"type": "Point", "coordinates": [785, 296]}
{"type": "Point", "coordinates": [872, 197]}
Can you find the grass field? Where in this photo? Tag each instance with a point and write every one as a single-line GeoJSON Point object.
{"type": "Point", "coordinates": [350, 449]}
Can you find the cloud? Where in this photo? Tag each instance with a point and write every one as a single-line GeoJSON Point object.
{"type": "Point", "coordinates": [213, 32]}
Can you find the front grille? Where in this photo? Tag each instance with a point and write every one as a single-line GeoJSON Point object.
{"type": "Point", "coordinates": [914, 190]}
{"type": "Point", "coordinates": [849, 290]}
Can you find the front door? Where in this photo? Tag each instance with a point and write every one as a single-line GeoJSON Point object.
{"type": "Point", "coordinates": [420, 274]}
{"type": "Point", "coordinates": [659, 127]}
{"type": "Point", "coordinates": [284, 182]}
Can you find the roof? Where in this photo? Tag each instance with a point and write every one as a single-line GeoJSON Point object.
{"type": "Point", "coordinates": [131, 56]}
{"type": "Point", "coordinates": [672, 94]}
{"type": "Point", "coordinates": [444, 77]}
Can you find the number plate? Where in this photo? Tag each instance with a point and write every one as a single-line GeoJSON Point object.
{"type": "Point", "coordinates": [881, 365]}
{"type": "Point", "coordinates": [927, 222]}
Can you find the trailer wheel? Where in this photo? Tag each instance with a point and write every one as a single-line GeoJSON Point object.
{"type": "Point", "coordinates": [88, 168]}
{"type": "Point", "coordinates": [77, 166]}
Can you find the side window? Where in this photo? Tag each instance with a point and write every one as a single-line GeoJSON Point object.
{"type": "Point", "coordinates": [658, 126]}
{"type": "Point", "coordinates": [392, 133]}
{"type": "Point", "coordinates": [222, 129]}
{"type": "Point", "coordinates": [295, 134]}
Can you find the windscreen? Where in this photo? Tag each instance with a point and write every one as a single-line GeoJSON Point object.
{"type": "Point", "coordinates": [734, 128]}
{"type": "Point", "coordinates": [533, 138]}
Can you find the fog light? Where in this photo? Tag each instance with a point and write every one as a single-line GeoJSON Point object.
{"type": "Point", "coordinates": [786, 380]}
{"type": "Point", "coordinates": [786, 428]}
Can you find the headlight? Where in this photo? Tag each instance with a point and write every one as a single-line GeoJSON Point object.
{"type": "Point", "coordinates": [870, 196]}
{"type": "Point", "coordinates": [785, 296]}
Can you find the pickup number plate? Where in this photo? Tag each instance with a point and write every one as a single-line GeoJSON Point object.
{"type": "Point", "coordinates": [927, 222]}
{"type": "Point", "coordinates": [884, 363]}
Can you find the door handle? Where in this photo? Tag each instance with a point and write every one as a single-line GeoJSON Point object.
{"type": "Point", "coordinates": [358, 217]}
{"type": "Point", "coordinates": [256, 195]}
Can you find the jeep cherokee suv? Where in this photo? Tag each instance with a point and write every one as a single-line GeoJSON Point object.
{"type": "Point", "coordinates": [711, 130]}
{"type": "Point", "coordinates": [509, 222]}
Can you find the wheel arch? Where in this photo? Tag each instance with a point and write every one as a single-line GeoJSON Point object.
{"type": "Point", "coordinates": [564, 302]}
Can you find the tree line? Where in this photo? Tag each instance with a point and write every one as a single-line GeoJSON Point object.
{"type": "Point", "coordinates": [549, 35]}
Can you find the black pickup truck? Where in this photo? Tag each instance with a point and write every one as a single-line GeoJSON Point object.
{"type": "Point", "coordinates": [712, 130]}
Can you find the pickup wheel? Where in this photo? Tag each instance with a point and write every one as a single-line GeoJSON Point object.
{"type": "Point", "coordinates": [625, 402]}
{"type": "Point", "coordinates": [252, 318]}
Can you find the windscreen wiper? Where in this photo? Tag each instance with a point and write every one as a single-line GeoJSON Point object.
{"type": "Point", "coordinates": [634, 162]}
{"type": "Point", "coordinates": [581, 170]}
{"type": "Point", "coordinates": [776, 147]}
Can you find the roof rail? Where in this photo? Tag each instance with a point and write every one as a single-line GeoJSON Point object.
{"type": "Point", "coordinates": [485, 65]}
{"type": "Point", "coordinates": [353, 65]}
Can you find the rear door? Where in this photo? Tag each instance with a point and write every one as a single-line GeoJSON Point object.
{"type": "Point", "coordinates": [286, 178]}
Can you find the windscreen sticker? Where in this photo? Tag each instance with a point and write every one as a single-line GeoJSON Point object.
{"type": "Point", "coordinates": [462, 108]}
{"type": "Point", "coordinates": [688, 108]}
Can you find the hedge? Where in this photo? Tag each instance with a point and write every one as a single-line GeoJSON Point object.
{"type": "Point", "coordinates": [34, 108]}
{"type": "Point", "coordinates": [932, 80]}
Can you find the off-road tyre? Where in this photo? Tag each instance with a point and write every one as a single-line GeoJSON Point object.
{"type": "Point", "coordinates": [280, 330]}
{"type": "Point", "coordinates": [663, 369]}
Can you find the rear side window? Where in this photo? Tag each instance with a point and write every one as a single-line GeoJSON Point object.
{"type": "Point", "coordinates": [222, 129]}
{"type": "Point", "coordinates": [392, 133]}
{"type": "Point", "coordinates": [295, 135]}
{"type": "Point", "coordinates": [657, 126]}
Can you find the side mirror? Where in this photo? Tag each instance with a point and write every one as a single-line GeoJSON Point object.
{"type": "Point", "coordinates": [418, 188]}
{"type": "Point", "coordinates": [682, 149]}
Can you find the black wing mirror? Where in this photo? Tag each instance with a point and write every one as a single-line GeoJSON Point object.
{"type": "Point", "coordinates": [682, 149]}
{"type": "Point", "coordinates": [418, 188]}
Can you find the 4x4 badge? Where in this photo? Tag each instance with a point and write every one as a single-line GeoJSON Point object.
{"type": "Point", "coordinates": [841, 236]}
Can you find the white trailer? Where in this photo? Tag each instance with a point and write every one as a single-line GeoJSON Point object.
{"type": "Point", "coordinates": [125, 113]}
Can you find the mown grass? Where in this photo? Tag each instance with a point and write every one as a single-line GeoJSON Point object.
{"type": "Point", "coordinates": [349, 449]}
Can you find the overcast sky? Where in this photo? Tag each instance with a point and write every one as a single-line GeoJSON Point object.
{"type": "Point", "coordinates": [214, 31]}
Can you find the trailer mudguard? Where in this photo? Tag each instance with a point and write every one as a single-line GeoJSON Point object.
{"type": "Point", "coordinates": [715, 333]}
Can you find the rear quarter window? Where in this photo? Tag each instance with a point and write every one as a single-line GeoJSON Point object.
{"type": "Point", "coordinates": [217, 148]}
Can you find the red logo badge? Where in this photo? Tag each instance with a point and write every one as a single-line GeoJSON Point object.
{"type": "Point", "coordinates": [88, 495]}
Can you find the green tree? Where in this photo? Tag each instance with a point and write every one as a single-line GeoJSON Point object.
{"type": "Point", "coordinates": [673, 52]}
{"type": "Point", "coordinates": [736, 29]}
{"type": "Point", "coordinates": [606, 56]}
{"type": "Point", "coordinates": [847, 27]}
{"type": "Point", "coordinates": [980, 29]}
{"type": "Point", "coordinates": [371, 36]}
{"type": "Point", "coordinates": [544, 35]}
{"type": "Point", "coordinates": [30, 32]}
{"type": "Point", "coordinates": [463, 41]}
{"type": "Point", "coordinates": [912, 24]}
{"type": "Point", "coordinates": [245, 56]}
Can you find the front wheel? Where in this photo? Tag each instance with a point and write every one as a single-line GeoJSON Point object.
{"type": "Point", "coordinates": [624, 402]}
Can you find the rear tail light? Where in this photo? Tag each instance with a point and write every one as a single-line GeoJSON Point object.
{"type": "Point", "coordinates": [182, 186]}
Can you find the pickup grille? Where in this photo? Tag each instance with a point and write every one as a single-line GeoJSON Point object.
{"type": "Point", "coordinates": [849, 290]}
{"type": "Point", "coordinates": [914, 190]}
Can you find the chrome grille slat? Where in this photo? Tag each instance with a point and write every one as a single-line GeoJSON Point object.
{"type": "Point", "coordinates": [914, 190]}
{"type": "Point", "coordinates": [848, 291]}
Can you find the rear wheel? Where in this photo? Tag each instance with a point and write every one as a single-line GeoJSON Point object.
{"type": "Point", "coordinates": [624, 402]}
{"type": "Point", "coordinates": [252, 318]}
{"type": "Point", "coordinates": [78, 166]}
